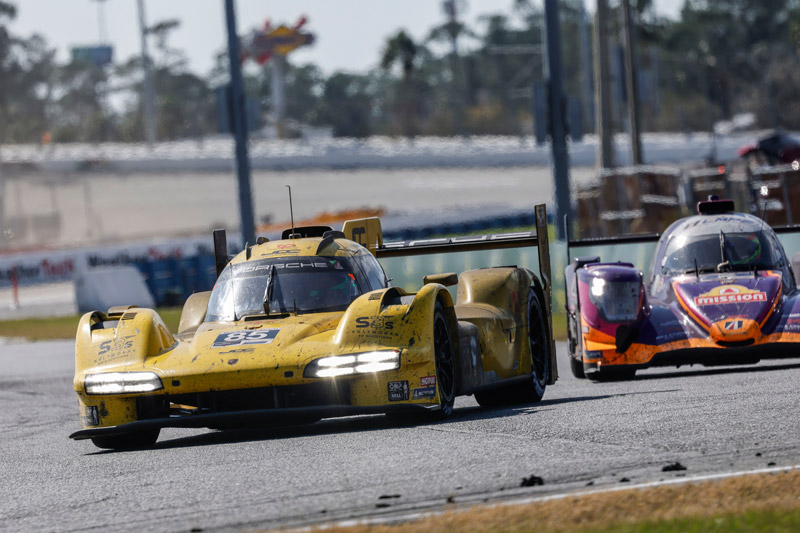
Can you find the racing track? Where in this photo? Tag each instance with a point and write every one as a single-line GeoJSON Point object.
{"type": "Point", "coordinates": [710, 420]}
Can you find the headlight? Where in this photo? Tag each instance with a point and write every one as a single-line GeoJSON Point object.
{"type": "Point", "coordinates": [362, 363]}
{"type": "Point", "coordinates": [122, 382]}
{"type": "Point", "coordinates": [617, 301]}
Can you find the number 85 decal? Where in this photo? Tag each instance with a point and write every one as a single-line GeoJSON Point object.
{"type": "Point", "coordinates": [238, 338]}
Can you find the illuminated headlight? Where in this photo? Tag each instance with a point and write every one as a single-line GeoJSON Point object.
{"type": "Point", "coordinates": [617, 301]}
{"type": "Point", "coordinates": [122, 382]}
{"type": "Point", "coordinates": [362, 363]}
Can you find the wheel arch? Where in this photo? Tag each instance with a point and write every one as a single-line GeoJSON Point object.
{"type": "Point", "coordinates": [425, 302]}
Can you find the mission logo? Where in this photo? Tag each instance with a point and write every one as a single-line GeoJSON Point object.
{"type": "Point", "coordinates": [730, 294]}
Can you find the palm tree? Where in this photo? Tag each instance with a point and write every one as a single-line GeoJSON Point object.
{"type": "Point", "coordinates": [400, 47]}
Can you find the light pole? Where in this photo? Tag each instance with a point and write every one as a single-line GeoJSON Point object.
{"type": "Point", "coordinates": [149, 95]}
{"type": "Point", "coordinates": [240, 128]}
{"type": "Point", "coordinates": [558, 129]}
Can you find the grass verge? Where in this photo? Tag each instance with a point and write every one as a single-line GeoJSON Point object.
{"type": "Point", "coordinates": [64, 327]}
{"type": "Point", "coordinates": [763, 502]}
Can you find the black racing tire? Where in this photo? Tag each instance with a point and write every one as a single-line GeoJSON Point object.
{"type": "Point", "coordinates": [534, 388]}
{"type": "Point", "coordinates": [576, 366]}
{"type": "Point", "coordinates": [444, 359]}
{"type": "Point", "coordinates": [128, 441]}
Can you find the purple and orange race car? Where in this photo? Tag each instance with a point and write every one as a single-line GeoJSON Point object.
{"type": "Point", "coordinates": [720, 291]}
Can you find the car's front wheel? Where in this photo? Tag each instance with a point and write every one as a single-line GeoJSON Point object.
{"type": "Point", "coordinates": [128, 441]}
{"type": "Point", "coordinates": [576, 365]}
{"type": "Point", "coordinates": [444, 357]}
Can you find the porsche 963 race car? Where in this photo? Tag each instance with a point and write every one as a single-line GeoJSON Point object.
{"type": "Point", "coordinates": [720, 291]}
{"type": "Point", "coordinates": [308, 327]}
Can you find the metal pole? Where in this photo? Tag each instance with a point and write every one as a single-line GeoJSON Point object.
{"type": "Point", "coordinates": [149, 96]}
{"type": "Point", "coordinates": [278, 65]}
{"type": "Point", "coordinates": [605, 146]}
{"type": "Point", "coordinates": [558, 129]}
{"type": "Point", "coordinates": [632, 86]}
{"type": "Point", "coordinates": [248, 229]}
{"type": "Point", "coordinates": [588, 78]}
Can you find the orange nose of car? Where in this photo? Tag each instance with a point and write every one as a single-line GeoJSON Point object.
{"type": "Point", "coordinates": [735, 330]}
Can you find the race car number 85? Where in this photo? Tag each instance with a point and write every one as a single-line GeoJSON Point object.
{"type": "Point", "coordinates": [238, 338]}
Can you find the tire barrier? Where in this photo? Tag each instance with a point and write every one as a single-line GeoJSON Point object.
{"type": "Point", "coordinates": [647, 199]}
{"type": "Point", "coordinates": [171, 281]}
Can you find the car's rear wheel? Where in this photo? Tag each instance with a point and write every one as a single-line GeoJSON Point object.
{"type": "Point", "coordinates": [532, 390]}
{"type": "Point", "coordinates": [444, 358]}
{"type": "Point", "coordinates": [128, 441]}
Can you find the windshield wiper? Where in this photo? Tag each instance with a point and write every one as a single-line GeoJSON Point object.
{"type": "Point", "coordinates": [268, 289]}
{"type": "Point", "coordinates": [724, 263]}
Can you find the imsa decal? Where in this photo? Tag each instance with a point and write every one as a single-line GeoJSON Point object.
{"type": "Point", "coordinates": [730, 294]}
{"type": "Point", "coordinates": [241, 338]}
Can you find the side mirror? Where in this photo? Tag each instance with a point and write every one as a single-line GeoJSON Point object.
{"type": "Point", "coordinates": [448, 279]}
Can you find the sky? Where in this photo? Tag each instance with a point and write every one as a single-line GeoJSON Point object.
{"type": "Point", "coordinates": [349, 33]}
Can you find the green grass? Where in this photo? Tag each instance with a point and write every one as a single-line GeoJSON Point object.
{"type": "Point", "coordinates": [750, 521]}
{"type": "Point", "coordinates": [64, 327]}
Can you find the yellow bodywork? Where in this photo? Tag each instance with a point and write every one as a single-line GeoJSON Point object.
{"type": "Point", "coordinates": [494, 300]}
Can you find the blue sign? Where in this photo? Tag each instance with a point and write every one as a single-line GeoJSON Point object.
{"type": "Point", "coordinates": [99, 56]}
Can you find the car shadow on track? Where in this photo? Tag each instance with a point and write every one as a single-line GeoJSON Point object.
{"type": "Point", "coordinates": [360, 424]}
{"type": "Point", "coordinates": [712, 371]}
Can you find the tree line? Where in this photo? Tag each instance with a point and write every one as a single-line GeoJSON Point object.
{"type": "Point", "coordinates": [718, 58]}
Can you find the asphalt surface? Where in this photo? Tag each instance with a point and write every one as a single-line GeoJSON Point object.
{"type": "Point", "coordinates": [582, 434]}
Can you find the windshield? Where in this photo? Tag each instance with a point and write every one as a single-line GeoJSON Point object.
{"type": "Point", "coordinates": [281, 286]}
{"type": "Point", "coordinates": [719, 252]}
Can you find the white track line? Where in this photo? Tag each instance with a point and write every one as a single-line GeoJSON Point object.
{"type": "Point", "coordinates": [536, 499]}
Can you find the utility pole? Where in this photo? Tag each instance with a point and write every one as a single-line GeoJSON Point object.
{"type": "Point", "coordinates": [278, 92]}
{"type": "Point", "coordinates": [450, 8]}
{"type": "Point", "coordinates": [631, 85]}
{"type": "Point", "coordinates": [248, 228]}
{"type": "Point", "coordinates": [588, 79]}
{"type": "Point", "coordinates": [605, 147]}
{"type": "Point", "coordinates": [149, 96]}
{"type": "Point", "coordinates": [558, 129]}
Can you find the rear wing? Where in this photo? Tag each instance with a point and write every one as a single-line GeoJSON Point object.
{"type": "Point", "coordinates": [368, 233]}
{"type": "Point", "coordinates": [593, 241]}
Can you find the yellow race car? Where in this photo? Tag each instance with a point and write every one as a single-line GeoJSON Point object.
{"type": "Point", "coordinates": [308, 327]}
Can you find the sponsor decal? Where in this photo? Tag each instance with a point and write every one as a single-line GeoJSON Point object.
{"type": "Point", "coordinates": [92, 417]}
{"type": "Point", "coordinates": [241, 338]}
{"type": "Point", "coordinates": [733, 325]}
{"type": "Point", "coordinates": [426, 392]}
{"type": "Point", "coordinates": [427, 381]}
{"type": "Point", "coordinates": [374, 322]}
{"type": "Point", "coordinates": [670, 337]}
{"type": "Point", "coordinates": [730, 294]}
{"type": "Point", "coordinates": [398, 391]}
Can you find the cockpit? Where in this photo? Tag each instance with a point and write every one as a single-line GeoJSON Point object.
{"type": "Point", "coordinates": [279, 286]}
{"type": "Point", "coordinates": [719, 252]}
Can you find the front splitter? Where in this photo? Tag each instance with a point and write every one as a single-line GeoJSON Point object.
{"type": "Point", "coordinates": [249, 417]}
